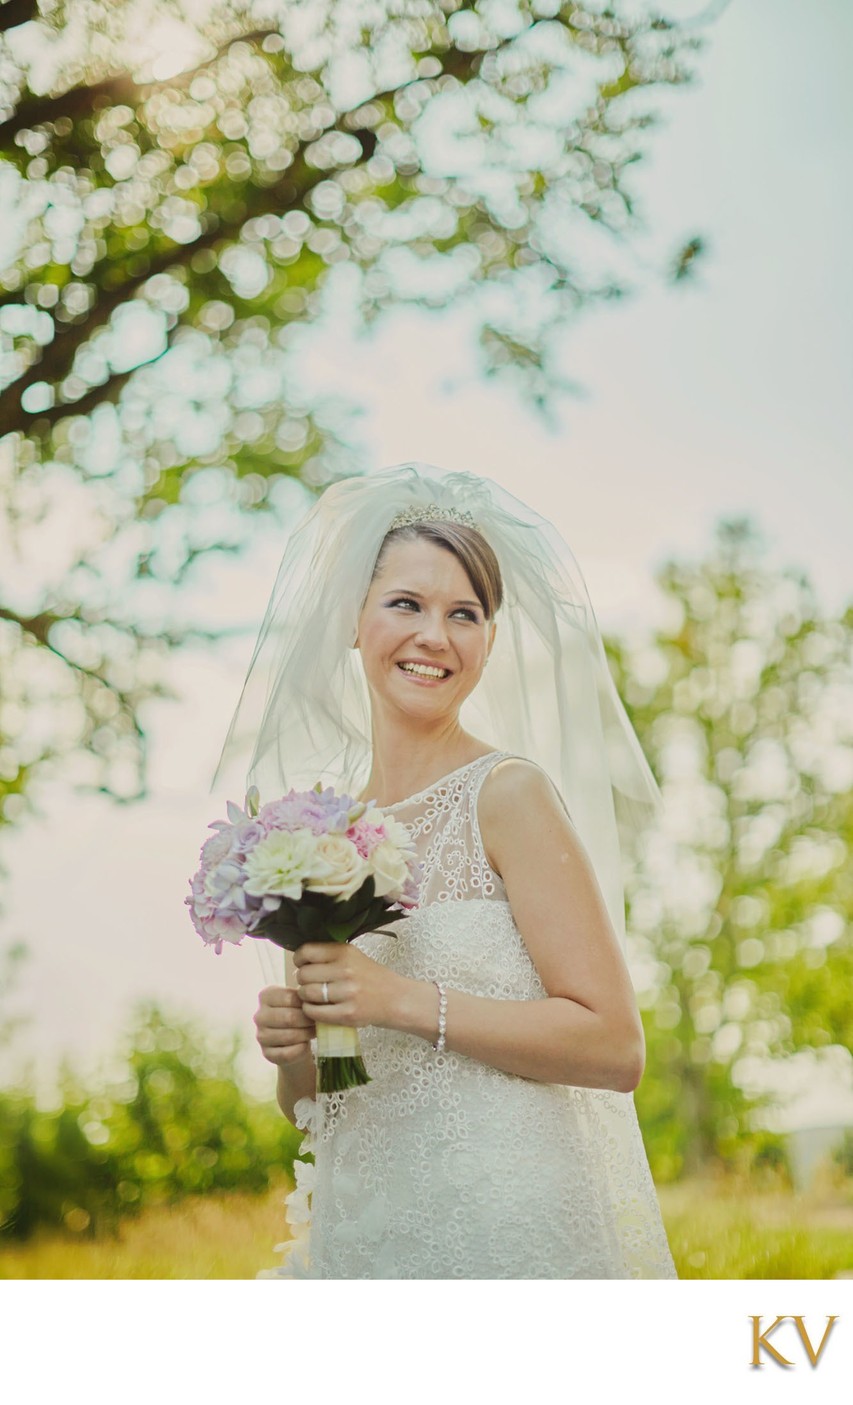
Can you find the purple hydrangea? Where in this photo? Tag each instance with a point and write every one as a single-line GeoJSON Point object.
{"type": "Point", "coordinates": [220, 907]}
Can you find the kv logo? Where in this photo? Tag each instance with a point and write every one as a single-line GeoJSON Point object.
{"type": "Point", "coordinates": [760, 1341]}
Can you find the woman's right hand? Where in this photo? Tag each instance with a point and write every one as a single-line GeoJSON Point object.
{"type": "Point", "coordinates": [283, 1032]}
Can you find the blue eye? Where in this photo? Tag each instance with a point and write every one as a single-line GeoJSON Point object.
{"type": "Point", "coordinates": [406, 600]}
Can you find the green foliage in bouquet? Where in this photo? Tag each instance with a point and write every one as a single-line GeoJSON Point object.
{"type": "Point", "coordinates": [317, 917]}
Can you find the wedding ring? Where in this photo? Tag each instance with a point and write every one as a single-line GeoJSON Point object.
{"type": "Point", "coordinates": [325, 992]}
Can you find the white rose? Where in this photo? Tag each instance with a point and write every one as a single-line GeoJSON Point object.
{"type": "Point", "coordinates": [389, 868]}
{"type": "Point", "coordinates": [398, 833]}
{"type": "Point", "coordinates": [340, 869]}
{"type": "Point", "coordinates": [280, 863]}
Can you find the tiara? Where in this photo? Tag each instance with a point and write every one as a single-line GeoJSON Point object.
{"type": "Point", "coordinates": [432, 512]}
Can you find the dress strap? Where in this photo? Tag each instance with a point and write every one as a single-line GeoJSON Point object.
{"type": "Point", "coordinates": [484, 765]}
{"type": "Point", "coordinates": [484, 881]}
{"type": "Point", "coordinates": [479, 773]}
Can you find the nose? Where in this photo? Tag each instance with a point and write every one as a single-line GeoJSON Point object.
{"type": "Point", "coordinates": [432, 633]}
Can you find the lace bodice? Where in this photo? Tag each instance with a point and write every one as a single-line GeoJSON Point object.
{"type": "Point", "coordinates": [443, 1166]}
{"type": "Point", "coordinates": [445, 828]}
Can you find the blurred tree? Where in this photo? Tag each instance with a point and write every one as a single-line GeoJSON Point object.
{"type": "Point", "coordinates": [12, 956]}
{"type": "Point", "coordinates": [172, 1121]}
{"type": "Point", "coordinates": [742, 917]}
{"type": "Point", "coordinates": [843, 1155]}
{"type": "Point", "coordinates": [183, 203]}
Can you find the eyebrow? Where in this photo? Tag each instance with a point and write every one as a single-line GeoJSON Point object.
{"type": "Point", "coordinates": [403, 590]}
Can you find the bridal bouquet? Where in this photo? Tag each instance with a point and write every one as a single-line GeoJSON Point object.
{"type": "Point", "coordinates": [313, 866]}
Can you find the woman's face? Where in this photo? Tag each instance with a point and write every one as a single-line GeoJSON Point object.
{"type": "Point", "coordinates": [421, 607]}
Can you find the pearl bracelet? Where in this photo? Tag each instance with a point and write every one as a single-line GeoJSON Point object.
{"type": "Point", "coordinates": [442, 1017]}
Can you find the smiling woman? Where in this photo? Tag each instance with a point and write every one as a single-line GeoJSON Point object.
{"type": "Point", "coordinates": [437, 637]}
{"type": "Point", "coordinates": [497, 1136]}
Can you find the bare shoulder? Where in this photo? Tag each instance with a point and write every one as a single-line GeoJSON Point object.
{"type": "Point", "coordinates": [512, 778]}
{"type": "Point", "coordinates": [514, 793]}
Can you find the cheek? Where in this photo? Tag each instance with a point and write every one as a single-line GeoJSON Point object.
{"type": "Point", "coordinates": [381, 631]}
{"type": "Point", "coordinates": [473, 649]}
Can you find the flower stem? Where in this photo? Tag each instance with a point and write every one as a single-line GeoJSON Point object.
{"type": "Point", "coordinates": [339, 1061]}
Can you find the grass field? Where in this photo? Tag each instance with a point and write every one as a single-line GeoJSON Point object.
{"type": "Point", "coordinates": [223, 1236]}
{"type": "Point", "coordinates": [715, 1232]}
{"type": "Point", "coordinates": [736, 1232]}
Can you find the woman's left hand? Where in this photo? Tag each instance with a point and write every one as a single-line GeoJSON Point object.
{"type": "Point", "coordinates": [361, 991]}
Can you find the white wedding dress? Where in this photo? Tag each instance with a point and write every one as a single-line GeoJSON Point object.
{"type": "Point", "coordinates": [442, 1166]}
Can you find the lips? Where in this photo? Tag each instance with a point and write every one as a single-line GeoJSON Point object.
{"type": "Point", "coordinates": [424, 678]}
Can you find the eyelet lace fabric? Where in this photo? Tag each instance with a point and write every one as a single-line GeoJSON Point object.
{"type": "Point", "coordinates": [442, 1166]}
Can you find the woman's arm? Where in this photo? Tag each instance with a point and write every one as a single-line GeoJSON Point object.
{"type": "Point", "coordinates": [295, 1082]}
{"type": "Point", "coordinates": [588, 1031]}
{"type": "Point", "coordinates": [284, 1033]}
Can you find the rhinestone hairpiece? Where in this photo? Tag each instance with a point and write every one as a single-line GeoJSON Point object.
{"type": "Point", "coordinates": [432, 512]}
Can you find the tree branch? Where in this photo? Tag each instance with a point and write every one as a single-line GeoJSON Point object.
{"type": "Point", "coordinates": [78, 103]}
{"type": "Point", "coordinates": [16, 12]}
{"type": "Point", "coordinates": [58, 357]}
{"type": "Point", "coordinates": [39, 626]}
{"type": "Point", "coordinates": [287, 193]}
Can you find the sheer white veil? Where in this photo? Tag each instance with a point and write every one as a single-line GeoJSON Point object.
{"type": "Point", "coordinates": [304, 711]}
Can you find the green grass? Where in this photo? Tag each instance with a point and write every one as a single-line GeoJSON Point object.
{"type": "Point", "coordinates": [221, 1236]}
{"type": "Point", "coordinates": [715, 1230]}
{"type": "Point", "coordinates": [732, 1230]}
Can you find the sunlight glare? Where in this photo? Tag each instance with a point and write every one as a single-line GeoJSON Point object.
{"type": "Point", "coordinates": [164, 49]}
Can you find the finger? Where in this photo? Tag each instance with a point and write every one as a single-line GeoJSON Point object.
{"type": "Point", "coordinates": [315, 972]}
{"type": "Point", "coordinates": [330, 1013]}
{"type": "Point", "coordinates": [286, 1038]}
{"type": "Point", "coordinates": [279, 1015]}
{"type": "Point", "coordinates": [318, 951]}
{"type": "Point", "coordinates": [311, 980]}
{"type": "Point", "coordinates": [274, 995]}
{"type": "Point", "coordinates": [276, 1014]}
{"type": "Point", "coordinates": [320, 995]}
{"type": "Point", "coordinates": [289, 1055]}
{"type": "Point", "coordinates": [281, 1038]}
{"type": "Point", "coordinates": [278, 1018]}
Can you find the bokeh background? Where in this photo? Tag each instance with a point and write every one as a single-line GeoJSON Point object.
{"type": "Point", "coordinates": [598, 253]}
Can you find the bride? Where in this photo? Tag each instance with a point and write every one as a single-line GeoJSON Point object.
{"type": "Point", "coordinates": [497, 1136]}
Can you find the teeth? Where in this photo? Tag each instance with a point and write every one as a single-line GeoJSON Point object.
{"type": "Point", "coordinates": [422, 668]}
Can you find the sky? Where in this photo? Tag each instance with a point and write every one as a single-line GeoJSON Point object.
{"type": "Point", "coordinates": [728, 396]}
